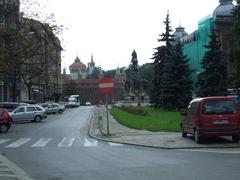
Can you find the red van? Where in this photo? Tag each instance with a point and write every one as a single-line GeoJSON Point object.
{"type": "Point", "coordinates": [211, 116]}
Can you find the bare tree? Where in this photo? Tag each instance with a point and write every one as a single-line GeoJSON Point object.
{"type": "Point", "coordinates": [28, 52]}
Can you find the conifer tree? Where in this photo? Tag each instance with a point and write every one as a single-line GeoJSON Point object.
{"type": "Point", "coordinates": [163, 84]}
{"type": "Point", "coordinates": [183, 77]}
{"type": "Point", "coordinates": [212, 81]}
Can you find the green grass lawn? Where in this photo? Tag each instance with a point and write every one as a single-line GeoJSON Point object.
{"type": "Point", "coordinates": [156, 120]}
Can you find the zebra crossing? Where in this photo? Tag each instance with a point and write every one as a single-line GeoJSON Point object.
{"type": "Point", "coordinates": [45, 142]}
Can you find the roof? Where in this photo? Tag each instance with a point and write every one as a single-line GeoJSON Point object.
{"type": "Point", "coordinates": [77, 64]}
{"type": "Point", "coordinates": [224, 9]}
{"type": "Point", "coordinates": [180, 32]}
{"type": "Point", "coordinates": [211, 98]}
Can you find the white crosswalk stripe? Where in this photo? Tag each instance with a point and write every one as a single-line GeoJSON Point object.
{"type": "Point", "coordinates": [18, 143]}
{"type": "Point", "coordinates": [66, 142]}
{"type": "Point", "coordinates": [115, 144]}
{"type": "Point", "coordinates": [2, 141]}
{"type": "Point", "coordinates": [42, 142]}
{"type": "Point", "coordinates": [88, 143]}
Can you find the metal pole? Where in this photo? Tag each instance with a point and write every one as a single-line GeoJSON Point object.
{"type": "Point", "coordinates": [107, 114]}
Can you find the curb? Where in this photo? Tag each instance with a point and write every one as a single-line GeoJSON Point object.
{"type": "Point", "coordinates": [150, 146]}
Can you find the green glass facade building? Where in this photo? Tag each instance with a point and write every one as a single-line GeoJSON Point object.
{"type": "Point", "coordinates": [193, 44]}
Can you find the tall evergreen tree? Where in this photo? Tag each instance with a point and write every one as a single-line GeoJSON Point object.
{"type": "Point", "coordinates": [164, 84]}
{"type": "Point", "coordinates": [182, 75]}
{"type": "Point", "coordinates": [234, 59]}
{"type": "Point", "coordinates": [212, 81]}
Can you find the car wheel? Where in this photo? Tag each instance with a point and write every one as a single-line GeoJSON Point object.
{"type": "Point", "coordinates": [196, 137]}
{"type": "Point", "coordinates": [38, 119]}
{"type": "Point", "coordinates": [235, 139]}
{"type": "Point", "coordinates": [4, 128]}
{"type": "Point", "coordinates": [60, 111]}
{"type": "Point", "coordinates": [184, 134]}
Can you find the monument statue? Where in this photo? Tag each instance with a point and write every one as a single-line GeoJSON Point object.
{"type": "Point", "coordinates": [135, 79]}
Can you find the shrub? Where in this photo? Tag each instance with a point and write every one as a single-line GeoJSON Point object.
{"type": "Point", "coordinates": [135, 110]}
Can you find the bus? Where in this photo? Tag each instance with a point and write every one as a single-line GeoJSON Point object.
{"type": "Point", "coordinates": [73, 101]}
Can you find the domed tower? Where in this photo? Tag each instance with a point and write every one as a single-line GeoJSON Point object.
{"type": "Point", "coordinates": [225, 8]}
{"type": "Point", "coordinates": [179, 33]}
{"type": "Point", "coordinates": [77, 69]}
{"type": "Point", "coordinates": [223, 16]}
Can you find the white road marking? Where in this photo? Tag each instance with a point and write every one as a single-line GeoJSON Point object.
{"type": "Point", "coordinates": [91, 143]}
{"type": "Point", "coordinates": [66, 142]}
{"type": "Point", "coordinates": [219, 151]}
{"type": "Point", "coordinates": [115, 144]}
{"type": "Point", "coordinates": [3, 140]}
{"type": "Point", "coordinates": [9, 176]}
{"type": "Point", "coordinates": [18, 143]}
{"type": "Point", "coordinates": [42, 142]}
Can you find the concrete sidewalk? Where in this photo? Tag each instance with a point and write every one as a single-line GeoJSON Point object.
{"type": "Point", "coordinates": [164, 140]}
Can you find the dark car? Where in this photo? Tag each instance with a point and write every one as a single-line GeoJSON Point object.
{"type": "Point", "coordinates": [9, 106]}
{"type": "Point", "coordinates": [211, 117]}
{"type": "Point", "coordinates": [5, 121]}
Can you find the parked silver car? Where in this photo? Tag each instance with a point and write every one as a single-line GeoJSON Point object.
{"type": "Point", "coordinates": [53, 108]}
{"type": "Point", "coordinates": [34, 113]}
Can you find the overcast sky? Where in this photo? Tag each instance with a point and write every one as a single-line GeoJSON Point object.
{"type": "Point", "coordinates": [112, 29]}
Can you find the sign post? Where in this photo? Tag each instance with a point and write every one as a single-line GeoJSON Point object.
{"type": "Point", "coordinates": [106, 87]}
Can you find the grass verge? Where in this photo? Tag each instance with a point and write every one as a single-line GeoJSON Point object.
{"type": "Point", "coordinates": [156, 120]}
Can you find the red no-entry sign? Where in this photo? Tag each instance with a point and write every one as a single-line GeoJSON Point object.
{"type": "Point", "coordinates": [106, 85]}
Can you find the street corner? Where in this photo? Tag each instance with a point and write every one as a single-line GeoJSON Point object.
{"type": "Point", "coordinates": [10, 171]}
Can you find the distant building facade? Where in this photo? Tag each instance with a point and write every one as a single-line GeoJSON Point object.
{"type": "Point", "coordinates": [87, 88]}
{"type": "Point", "coordinates": [9, 16]}
{"type": "Point", "coordinates": [46, 78]}
{"type": "Point", "coordinates": [78, 70]}
{"type": "Point", "coordinates": [193, 44]}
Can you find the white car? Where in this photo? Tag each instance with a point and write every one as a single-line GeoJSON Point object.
{"type": "Point", "coordinates": [53, 108]}
{"type": "Point", "coordinates": [88, 103]}
{"type": "Point", "coordinates": [33, 113]}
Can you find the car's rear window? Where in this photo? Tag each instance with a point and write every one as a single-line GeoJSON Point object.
{"type": "Point", "coordinates": [219, 107]}
{"type": "Point", "coordinates": [39, 108]}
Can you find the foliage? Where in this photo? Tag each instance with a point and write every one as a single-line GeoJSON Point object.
{"type": "Point", "coordinates": [234, 60]}
{"type": "Point", "coordinates": [110, 73]}
{"type": "Point", "coordinates": [146, 71]}
{"type": "Point", "coordinates": [212, 81]}
{"type": "Point", "coordinates": [162, 70]}
{"type": "Point", "coordinates": [171, 82]}
{"type": "Point", "coordinates": [182, 75]}
{"type": "Point", "coordinates": [32, 9]}
{"type": "Point", "coordinates": [70, 88]}
{"type": "Point", "coordinates": [28, 50]}
{"type": "Point", "coordinates": [135, 110]}
{"type": "Point", "coordinates": [157, 120]}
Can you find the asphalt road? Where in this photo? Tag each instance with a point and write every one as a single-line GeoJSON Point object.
{"type": "Point", "coordinates": [60, 149]}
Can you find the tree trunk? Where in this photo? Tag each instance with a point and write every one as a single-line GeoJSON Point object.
{"type": "Point", "coordinates": [29, 92]}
